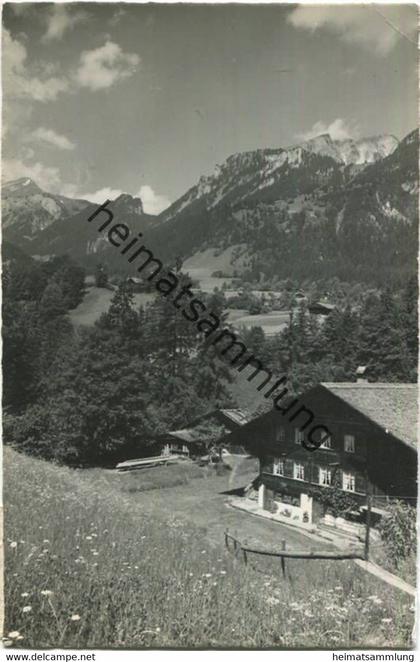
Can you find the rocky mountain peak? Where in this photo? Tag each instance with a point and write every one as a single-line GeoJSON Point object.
{"type": "Point", "coordinates": [24, 186]}
{"type": "Point", "coordinates": [129, 204]}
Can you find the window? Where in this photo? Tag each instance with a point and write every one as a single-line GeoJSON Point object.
{"type": "Point", "coordinates": [327, 441]}
{"type": "Point", "coordinates": [349, 443]}
{"type": "Point", "coordinates": [280, 436]}
{"type": "Point", "coordinates": [349, 482]}
{"type": "Point", "coordinates": [299, 436]}
{"type": "Point", "coordinates": [278, 467]}
{"type": "Point", "coordinates": [324, 476]}
{"type": "Point", "coordinates": [298, 471]}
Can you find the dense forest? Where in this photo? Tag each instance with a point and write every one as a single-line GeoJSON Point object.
{"type": "Point", "coordinates": [92, 395]}
{"type": "Point", "coordinates": [379, 332]}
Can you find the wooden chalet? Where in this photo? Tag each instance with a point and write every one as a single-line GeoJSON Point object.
{"type": "Point", "coordinates": [372, 450]}
{"type": "Point", "coordinates": [202, 433]}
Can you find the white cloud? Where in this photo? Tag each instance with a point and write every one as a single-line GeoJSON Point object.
{"type": "Point", "coordinates": [48, 178]}
{"type": "Point", "coordinates": [102, 194]}
{"type": "Point", "coordinates": [365, 25]}
{"type": "Point", "coordinates": [103, 66]}
{"type": "Point", "coordinates": [50, 137]}
{"type": "Point", "coordinates": [153, 203]}
{"type": "Point", "coordinates": [60, 19]}
{"type": "Point", "coordinates": [339, 129]}
{"type": "Point", "coordinates": [117, 16]}
{"type": "Point", "coordinates": [97, 69]}
{"type": "Point", "coordinates": [17, 81]}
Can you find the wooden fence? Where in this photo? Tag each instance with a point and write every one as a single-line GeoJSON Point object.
{"type": "Point", "coordinates": [242, 548]}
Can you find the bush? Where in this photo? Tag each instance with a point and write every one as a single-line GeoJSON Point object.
{"type": "Point", "coordinates": [398, 532]}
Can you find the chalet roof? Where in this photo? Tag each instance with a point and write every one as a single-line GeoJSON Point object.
{"type": "Point", "coordinates": [322, 304]}
{"type": "Point", "coordinates": [391, 406]}
{"type": "Point", "coordinates": [188, 436]}
{"type": "Point", "coordinates": [239, 416]}
{"type": "Point", "coordinates": [204, 428]}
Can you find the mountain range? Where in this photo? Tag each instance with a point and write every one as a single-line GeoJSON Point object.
{"type": "Point", "coordinates": [318, 209]}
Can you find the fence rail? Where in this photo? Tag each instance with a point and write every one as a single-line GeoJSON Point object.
{"type": "Point", "coordinates": [239, 546]}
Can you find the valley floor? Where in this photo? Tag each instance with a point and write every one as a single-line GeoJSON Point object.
{"type": "Point", "coordinates": [94, 559]}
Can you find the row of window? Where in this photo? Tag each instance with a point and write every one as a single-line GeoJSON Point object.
{"type": "Point", "coordinates": [325, 474]}
{"type": "Point", "coordinates": [349, 440]}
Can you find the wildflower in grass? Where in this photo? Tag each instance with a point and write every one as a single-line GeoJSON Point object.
{"type": "Point", "coordinates": [88, 537]}
{"type": "Point", "coordinates": [208, 574]}
{"type": "Point", "coordinates": [376, 600]}
{"type": "Point", "coordinates": [75, 617]}
{"type": "Point", "coordinates": [46, 541]}
{"type": "Point", "coordinates": [272, 600]}
{"type": "Point", "coordinates": [13, 544]}
{"type": "Point", "coordinates": [14, 635]}
{"type": "Point", "coordinates": [26, 609]}
{"type": "Point", "coordinates": [46, 592]}
{"type": "Point", "coordinates": [24, 595]}
{"type": "Point", "coordinates": [223, 572]}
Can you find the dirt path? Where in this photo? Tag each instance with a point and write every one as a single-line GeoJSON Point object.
{"type": "Point", "coordinates": [386, 576]}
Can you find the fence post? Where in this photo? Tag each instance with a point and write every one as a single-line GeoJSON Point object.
{"type": "Point", "coordinates": [244, 552]}
{"type": "Point", "coordinates": [235, 544]}
{"type": "Point", "coordinates": [282, 559]}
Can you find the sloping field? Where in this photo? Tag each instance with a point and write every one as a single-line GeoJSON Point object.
{"type": "Point", "coordinates": [201, 265]}
{"type": "Point", "coordinates": [96, 301]}
{"type": "Point", "coordinates": [90, 565]}
{"type": "Point", "coordinates": [270, 323]}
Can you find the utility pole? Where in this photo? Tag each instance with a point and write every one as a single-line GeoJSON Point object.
{"type": "Point", "coordinates": [369, 508]}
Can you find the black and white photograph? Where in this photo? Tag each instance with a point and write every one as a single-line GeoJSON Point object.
{"type": "Point", "coordinates": [209, 329]}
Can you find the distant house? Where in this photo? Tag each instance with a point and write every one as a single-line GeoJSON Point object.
{"type": "Point", "coordinates": [372, 450]}
{"type": "Point", "coordinates": [202, 433]}
{"type": "Point", "coordinates": [137, 284]}
{"type": "Point", "coordinates": [321, 308]}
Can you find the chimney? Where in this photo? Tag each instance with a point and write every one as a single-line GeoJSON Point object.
{"type": "Point", "coordinates": [361, 377]}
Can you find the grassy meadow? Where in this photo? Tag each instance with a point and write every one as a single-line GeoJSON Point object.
{"type": "Point", "coordinates": [88, 567]}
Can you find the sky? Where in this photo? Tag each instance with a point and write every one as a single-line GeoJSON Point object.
{"type": "Point", "coordinates": [100, 99]}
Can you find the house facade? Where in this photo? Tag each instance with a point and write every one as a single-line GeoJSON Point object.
{"type": "Point", "coordinates": [371, 450]}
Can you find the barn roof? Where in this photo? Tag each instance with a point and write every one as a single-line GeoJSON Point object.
{"type": "Point", "coordinates": [391, 406]}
